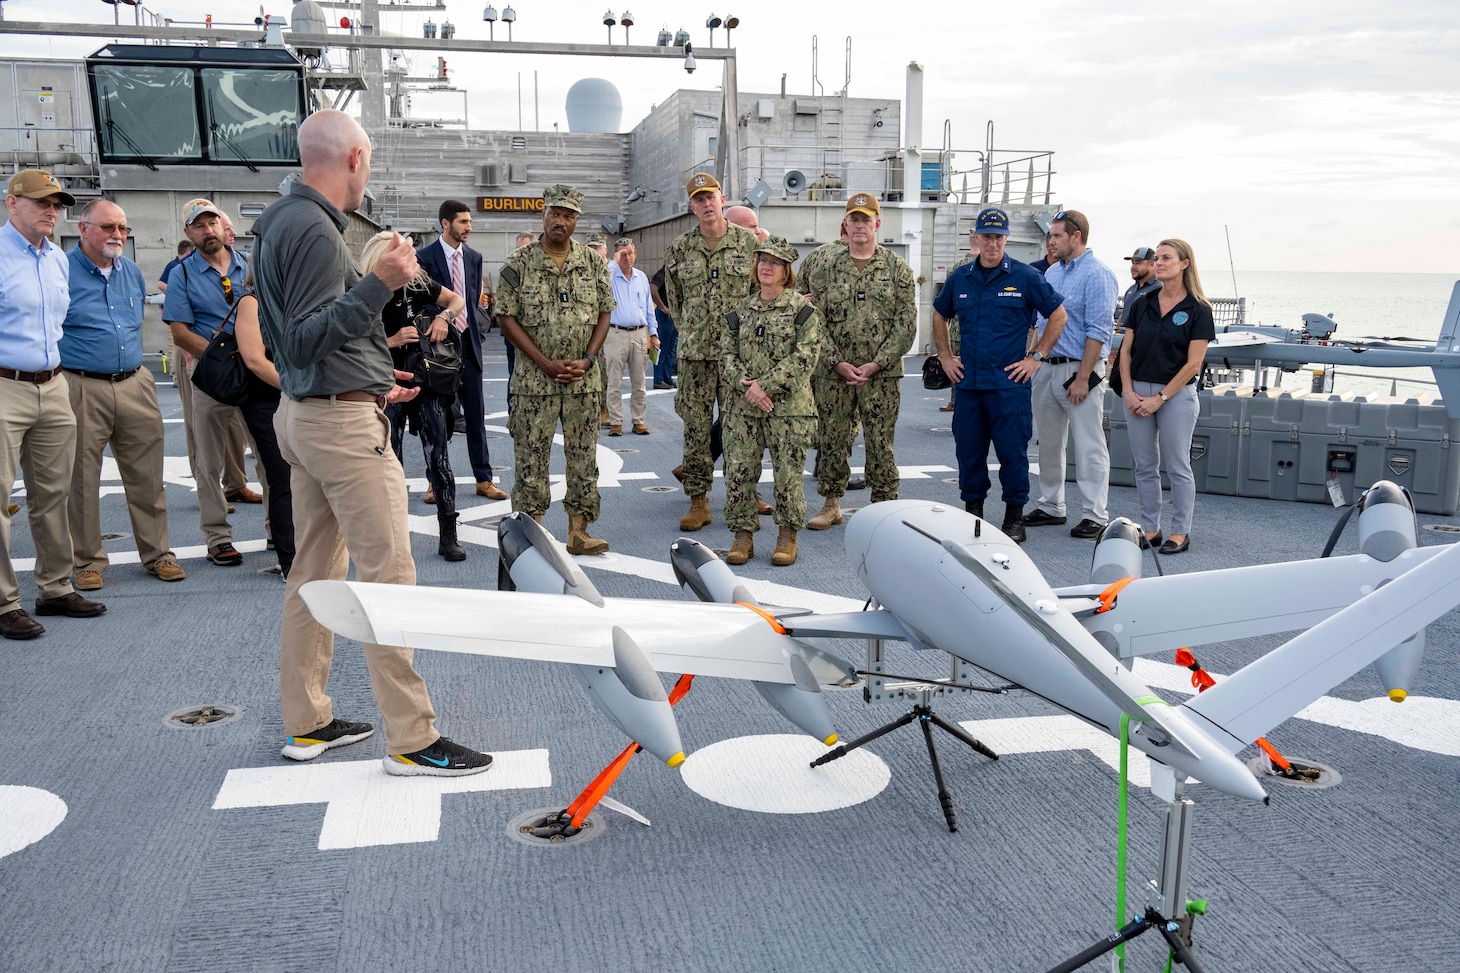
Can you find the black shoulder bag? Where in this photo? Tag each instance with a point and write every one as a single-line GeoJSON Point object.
{"type": "Point", "coordinates": [221, 373]}
{"type": "Point", "coordinates": [438, 363]}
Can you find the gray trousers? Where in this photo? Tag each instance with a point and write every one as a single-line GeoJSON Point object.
{"type": "Point", "coordinates": [1056, 417]}
{"type": "Point", "coordinates": [1165, 435]}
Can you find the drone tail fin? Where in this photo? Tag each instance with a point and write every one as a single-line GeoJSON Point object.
{"type": "Point", "coordinates": [1263, 694]}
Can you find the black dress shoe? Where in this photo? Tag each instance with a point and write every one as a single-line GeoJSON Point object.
{"type": "Point", "coordinates": [71, 605]}
{"type": "Point", "coordinates": [19, 626]}
{"type": "Point", "coordinates": [857, 482]}
{"type": "Point", "coordinates": [1038, 518]}
{"type": "Point", "coordinates": [1014, 530]}
{"type": "Point", "coordinates": [1085, 530]}
{"type": "Point", "coordinates": [1150, 541]}
{"type": "Point", "coordinates": [1171, 547]}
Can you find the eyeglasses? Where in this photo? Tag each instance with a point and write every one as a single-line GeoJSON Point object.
{"type": "Point", "coordinates": [227, 289]}
{"type": "Point", "coordinates": [110, 227]}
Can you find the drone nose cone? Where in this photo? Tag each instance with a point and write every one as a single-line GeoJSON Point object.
{"type": "Point", "coordinates": [1398, 695]}
{"type": "Point", "coordinates": [676, 760]}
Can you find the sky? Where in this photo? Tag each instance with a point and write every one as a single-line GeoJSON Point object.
{"type": "Point", "coordinates": [1318, 136]}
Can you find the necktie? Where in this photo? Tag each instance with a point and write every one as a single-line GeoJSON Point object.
{"type": "Point", "coordinates": [458, 285]}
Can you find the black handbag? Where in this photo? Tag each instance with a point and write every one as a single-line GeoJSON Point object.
{"type": "Point", "coordinates": [934, 378]}
{"type": "Point", "coordinates": [220, 372]}
{"type": "Point", "coordinates": [438, 365]}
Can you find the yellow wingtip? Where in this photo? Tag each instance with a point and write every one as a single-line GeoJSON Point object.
{"type": "Point", "coordinates": [676, 760]}
{"type": "Point", "coordinates": [831, 740]}
{"type": "Point", "coordinates": [1398, 695]}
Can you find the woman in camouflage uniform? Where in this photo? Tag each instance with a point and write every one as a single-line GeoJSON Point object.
{"type": "Point", "coordinates": [770, 347]}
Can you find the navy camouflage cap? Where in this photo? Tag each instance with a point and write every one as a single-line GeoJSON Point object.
{"type": "Point", "coordinates": [597, 240]}
{"type": "Point", "coordinates": [778, 247]}
{"type": "Point", "coordinates": [563, 197]}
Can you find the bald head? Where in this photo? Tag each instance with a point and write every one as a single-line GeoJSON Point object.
{"type": "Point", "coordinates": [335, 154]}
{"type": "Point", "coordinates": [746, 217]}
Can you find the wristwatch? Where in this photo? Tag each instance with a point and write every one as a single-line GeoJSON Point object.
{"type": "Point", "coordinates": [1164, 397]}
{"type": "Point", "coordinates": [1037, 355]}
{"type": "Point", "coordinates": [449, 315]}
{"type": "Point", "coordinates": [591, 359]}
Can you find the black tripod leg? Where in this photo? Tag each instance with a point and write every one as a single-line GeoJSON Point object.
{"type": "Point", "coordinates": [962, 734]}
{"type": "Point", "coordinates": [1183, 952]}
{"type": "Point", "coordinates": [944, 798]}
{"type": "Point", "coordinates": [1126, 933]}
{"type": "Point", "coordinates": [846, 748]}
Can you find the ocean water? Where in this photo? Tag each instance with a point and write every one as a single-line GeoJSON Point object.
{"type": "Point", "coordinates": [1363, 305]}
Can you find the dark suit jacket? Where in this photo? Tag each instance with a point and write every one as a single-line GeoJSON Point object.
{"type": "Point", "coordinates": [432, 258]}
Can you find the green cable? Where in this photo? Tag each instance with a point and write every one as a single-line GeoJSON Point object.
{"type": "Point", "coordinates": [1120, 918]}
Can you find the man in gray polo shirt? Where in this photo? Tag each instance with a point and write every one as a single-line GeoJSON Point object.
{"type": "Point", "coordinates": [322, 321]}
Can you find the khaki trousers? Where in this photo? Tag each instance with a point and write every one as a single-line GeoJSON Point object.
{"type": "Point", "coordinates": [125, 415]}
{"type": "Point", "coordinates": [235, 477]}
{"type": "Point", "coordinates": [37, 430]}
{"type": "Point", "coordinates": [349, 504]}
{"type": "Point", "coordinates": [625, 347]}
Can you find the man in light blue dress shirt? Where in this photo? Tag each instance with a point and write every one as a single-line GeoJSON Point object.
{"type": "Point", "coordinates": [632, 331]}
{"type": "Point", "coordinates": [37, 427]}
{"type": "Point", "coordinates": [1069, 399]}
{"type": "Point", "coordinates": [113, 397]}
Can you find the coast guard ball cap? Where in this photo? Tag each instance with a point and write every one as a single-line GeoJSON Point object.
{"type": "Point", "coordinates": [780, 248]}
{"type": "Point", "coordinates": [563, 197]}
{"type": "Point", "coordinates": [1143, 253]}
{"type": "Point", "coordinates": [37, 184]}
{"type": "Point", "coordinates": [701, 182]}
{"type": "Point", "coordinates": [864, 203]}
{"type": "Point", "coordinates": [992, 220]}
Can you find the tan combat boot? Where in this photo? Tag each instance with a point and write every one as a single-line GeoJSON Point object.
{"type": "Point", "coordinates": [831, 515]}
{"type": "Point", "coordinates": [743, 549]}
{"type": "Point", "coordinates": [582, 542]}
{"type": "Point", "coordinates": [699, 513]}
{"type": "Point", "coordinates": [785, 548]}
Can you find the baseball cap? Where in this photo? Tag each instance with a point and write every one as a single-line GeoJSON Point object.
{"type": "Point", "coordinates": [563, 196]}
{"type": "Point", "coordinates": [701, 182]}
{"type": "Point", "coordinates": [195, 208]}
{"type": "Point", "coordinates": [780, 248]}
{"type": "Point", "coordinates": [37, 184]}
{"type": "Point", "coordinates": [1143, 253]}
{"type": "Point", "coordinates": [864, 203]}
{"type": "Point", "coordinates": [992, 220]}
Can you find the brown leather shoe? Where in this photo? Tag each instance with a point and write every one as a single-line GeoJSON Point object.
{"type": "Point", "coordinates": [87, 581]}
{"type": "Point", "coordinates": [166, 568]}
{"type": "Point", "coordinates": [429, 496]}
{"type": "Point", "coordinates": [616, 429]}
{"type": "Point", "coordinates": [490, 490]}
{"type": "Point", "coordinates": [71, 605]}
{"type": "Point", "coordinates": [763, 508]}
{"type": "Point", "coordinates": [19, 626]}
{"type": "Point", "coordinates": [13, 509]}
{"type": "Point", "coordinates": [244, 495]}
{"type": "Point", "coordinates": [640, 429]}
{"type": "Point", "coordinates": [678, 472]}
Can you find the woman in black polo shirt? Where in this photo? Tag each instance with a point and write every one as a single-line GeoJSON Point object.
{"type": "Point", "coordinates": [1166, 339]}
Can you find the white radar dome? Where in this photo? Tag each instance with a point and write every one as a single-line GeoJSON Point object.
{"type": "Point", "coordinates": [594, 105]}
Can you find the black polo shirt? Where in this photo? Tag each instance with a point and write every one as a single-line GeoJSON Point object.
{"type": "Point", "coordinates": [1160, 343]}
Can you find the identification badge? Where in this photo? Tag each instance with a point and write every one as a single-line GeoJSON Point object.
{"type": "Point", "coordinates": [861, 295]}
{"type": "Point", "coordinates": [714, 273]}
{"type": "Point", "coordinates": [760, 331]}
{"type": "Point", "coordinates": [563, 297]}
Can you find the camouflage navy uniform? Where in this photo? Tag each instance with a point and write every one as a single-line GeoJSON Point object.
{"type": "Point", "coordinates": [870, 315]}
{"type": "Point", "coordinates": [703, 281]}
{"type": "Point", "coordinates": [559, 310]}
{"type": "Point", "coordinates": [776, 343]}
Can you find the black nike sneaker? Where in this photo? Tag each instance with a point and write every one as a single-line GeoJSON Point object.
{"type": "Point", "coordinates": [441, 759]}
{"type": "Point", "coordinates": [336, 733]}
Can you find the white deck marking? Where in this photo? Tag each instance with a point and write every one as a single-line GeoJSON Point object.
{"type": "Point", "coordinates": [1049, 734]}
{"type": "Point", "coordinates": [27, 814]}
{"type": "Point", "coordinates": [772, 775]}
{"type": "Point", "coordinates": [365, 806]}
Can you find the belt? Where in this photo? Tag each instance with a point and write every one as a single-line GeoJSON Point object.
{"type": "Point", "coordinates": [377, 400]}
{"type": "Point", "coordinates": [630, 327]}
{"type": "Point", "coordinates": [35, 378]}
{"type": "Point", "coordinates": [1060, 360]}
{"type": "Point", "coordinates": [105, 376]}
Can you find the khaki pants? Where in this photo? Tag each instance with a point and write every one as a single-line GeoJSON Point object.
{"type": "Point", "coordinates": [625, 347]}
{"type": "Point", "coordinates": [235, 476]}
{"type": "Point", "coordinates": [38, 430]}
{"type": "Point", "coordinates": [126, 415]}
{"type": "Point", "coordinates": [349, 504]}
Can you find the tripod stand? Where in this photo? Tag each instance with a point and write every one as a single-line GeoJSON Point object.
{"type": "Point", "coordinates": [927, 719]}
{"type": "Point", "coordinates": [1150, 919]}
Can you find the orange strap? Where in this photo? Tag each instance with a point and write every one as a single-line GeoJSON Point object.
{"type": "Point", "coordinates": [1107, 597]}
{"type": "Point", "coordinates": [780, 629]}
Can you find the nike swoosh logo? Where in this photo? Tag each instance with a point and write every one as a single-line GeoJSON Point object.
{"type": "Point", "coordinates": [438, 763]}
